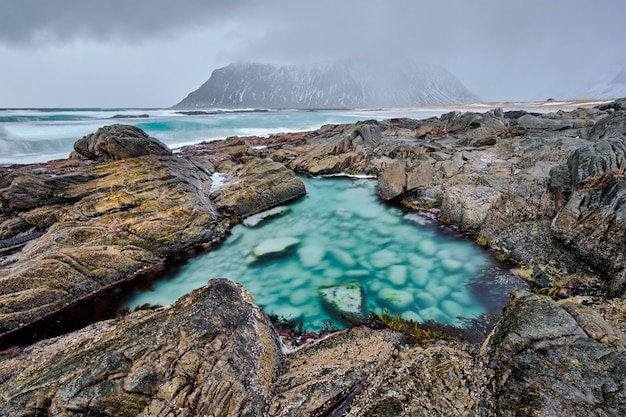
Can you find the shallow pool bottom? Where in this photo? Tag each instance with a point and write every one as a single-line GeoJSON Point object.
{"type": "Point", "coordinates": [339, 253]}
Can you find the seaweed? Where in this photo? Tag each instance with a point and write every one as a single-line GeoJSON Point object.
{"type": "Point", "coordinates": [552, 292]}
{"type": "Point", "coordinates": [416, 333]}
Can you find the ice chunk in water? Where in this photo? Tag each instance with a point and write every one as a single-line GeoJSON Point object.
{"type": "Point", "coordinates": [274, 246]}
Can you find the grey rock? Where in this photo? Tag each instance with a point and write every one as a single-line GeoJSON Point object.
{"type": "Point", "coordinates": [546, 363]}
{"type": "Point", "coordinates": [115, 142]}
{"type": "Point", "coordinates": [613, 126]}
{"type": "Point", "coordinates": [528, 121]}
{"type": "Point", "coordinates": [593, 223]}
{"type": "Point", "coordinates": [591, 165]}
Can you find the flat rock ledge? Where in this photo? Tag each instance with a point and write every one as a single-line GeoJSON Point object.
{"type": "Point", "coordinates": [213, 352]}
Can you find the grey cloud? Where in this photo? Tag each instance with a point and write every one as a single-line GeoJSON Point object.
{"type": "Point", "coordinates": [39, 22]}
{"type": "Point", "coordinates": [532, 48]}
{"type": "Point", "coordinates": [502, 50]}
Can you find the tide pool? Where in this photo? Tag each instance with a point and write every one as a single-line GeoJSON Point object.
{"type": "Point", "coordinates": [341, 241]}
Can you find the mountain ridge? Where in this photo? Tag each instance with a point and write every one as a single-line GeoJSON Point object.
{"type": "Point", "coordinates": [342, 84]}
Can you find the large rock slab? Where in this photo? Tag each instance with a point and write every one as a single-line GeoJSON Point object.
{"type": "Point", "coordinates": [115, 142]}
{"type": "Point", "coordinates": [593, 223]}
{"type": "Point", "coordinates": [258, 185]}
{"type": "Point", "coordinates": [213, 352]}
{"type": "Point", "coordinates": [556, 361]}
{"type": "Point", "coordinates": [70, 228]}
{"type": "Point", "coordinates": [99, 225]}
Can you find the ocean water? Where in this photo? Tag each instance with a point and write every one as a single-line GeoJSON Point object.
{"type": "Point", "coordinates": [342, 235]}
{"type": "Point", "coordinates": [39, 135]}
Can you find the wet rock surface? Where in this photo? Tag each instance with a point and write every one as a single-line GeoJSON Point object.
{"type": "Point", "coordinates": [556, 360]}
{"type": "Point", "coordinates": [211, 353]}
{"type": "Point", "coordinates": [72, 228]}
{"type": "Point", "coordinates": [544, 190]}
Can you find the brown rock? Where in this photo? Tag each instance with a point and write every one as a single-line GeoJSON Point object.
{"type": "Point", "coordinates": [392, 181]}
{"type": "Point", "coordinates": [213, 352]}
{"type": "Point", "coordinates": [129, 215]}
{"type": "Point", "coordinates": [258, 185]}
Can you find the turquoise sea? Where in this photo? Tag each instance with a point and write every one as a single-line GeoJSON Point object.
{"type": "Point", "coordinates": [38, 135]}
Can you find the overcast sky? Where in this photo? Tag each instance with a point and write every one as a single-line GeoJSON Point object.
{"type": "Point", "coordinates": [152, 53]}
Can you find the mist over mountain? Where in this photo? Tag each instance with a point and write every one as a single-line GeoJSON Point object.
{"type": "Point", "coordinates": [609, 85]}
{"type": "Point", "coordinates": [342, 84]}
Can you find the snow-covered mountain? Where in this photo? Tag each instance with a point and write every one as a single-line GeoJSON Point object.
{"type": "Point", "coordinates": [343, 84]}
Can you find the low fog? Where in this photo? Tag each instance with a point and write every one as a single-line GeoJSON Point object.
{"type": "Point", "coordinates": [86, 53]}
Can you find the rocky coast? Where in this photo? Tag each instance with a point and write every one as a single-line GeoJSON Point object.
{"type": "Point", "coordinates": [544, 192]}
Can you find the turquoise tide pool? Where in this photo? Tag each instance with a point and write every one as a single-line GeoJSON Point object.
{"type": "Point", "coordinates": [341, 245]}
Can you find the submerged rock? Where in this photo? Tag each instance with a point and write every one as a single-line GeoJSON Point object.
{"type": "Point", "coordinates": [275, 246]}
{"type": "Point", "coordinates": [259, 218]}
{"type": "Point", "coordinates": [345, 300]}
{"type": "Point", "coordinates": [311, 255]}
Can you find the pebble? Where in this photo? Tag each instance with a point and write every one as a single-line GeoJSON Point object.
{"type": "Point", "coordinates": [424, 300]}
{"type": "Point", "coordinates": [427, 247]}
{"type": "Point", "coordinates": [396, 298]}
{"type": "Point", "coordinates": [311, 255]}
{"type": "Point", "coordinates": [438, 291]}
{"type": "Point", "coordinates": [343, 257]}
{"type": "Point", "coordinates": [452, 264]}
{"type": "Point", "coordinates": [384, 258]}
{"type": "Point", "coordinates": [461, 298]}
{"type": "Point", "coordinates": [333, 273]}
{"type": "Point", "coordinates": [421, 262]}
{"type": "Point", "coordinates": [358, 273]}
{"type": "Point", "coordinates": [452, 308]}
{"type": "Point", "coordinates": [397, 274]}
{"type": "Point", "coordinates": [412, 315]}
{"type": "Point", "coordinates": [419, 277]}
{"type": "Point", "coordinates": [435, 314]}
{"type": "Point", "coordinates": [299, 297]}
